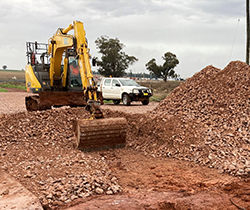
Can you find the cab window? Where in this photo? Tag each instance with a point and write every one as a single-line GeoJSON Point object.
{"type": "Point", "coordinates": [114, 82]}
{"type": "Point", "coordinates": [75, 78]}
{"type": "Point", "coordinates": [107, 82]}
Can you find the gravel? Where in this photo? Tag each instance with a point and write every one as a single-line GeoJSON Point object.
{"type": "Point", "coordinates": [205, 120]}
{"type": "Point", "coordinates": [38, 149]}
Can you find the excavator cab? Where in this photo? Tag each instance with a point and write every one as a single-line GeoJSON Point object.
{"type": "Point", "coordinates": [63, 77]}
{"type": "Point", "coordinates": [37, 68]}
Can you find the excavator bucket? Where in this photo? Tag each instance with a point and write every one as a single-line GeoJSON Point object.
{"type": "Point", "coordinates": [100, 134]}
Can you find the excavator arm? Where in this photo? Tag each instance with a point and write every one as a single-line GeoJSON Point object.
{"type": "Point", "coordinates": [90, 89]}
{"type": "Point", "coordinates": [57, 45]}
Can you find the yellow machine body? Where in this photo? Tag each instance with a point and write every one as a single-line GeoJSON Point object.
{"type": "Point", "coordinates": [32, 83]}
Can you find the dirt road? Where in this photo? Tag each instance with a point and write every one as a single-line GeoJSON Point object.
{"type": "Point", "coordinates": [13, 102]}
{"type": "Point", "coordinates": [147, 182]}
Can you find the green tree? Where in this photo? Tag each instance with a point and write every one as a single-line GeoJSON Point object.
{"type": "Point", "coordinates": [113, 61]}
{"type": "Point", "coordinates": [167, 69]}
{"type": "Point", "coordinates": [4, 67]}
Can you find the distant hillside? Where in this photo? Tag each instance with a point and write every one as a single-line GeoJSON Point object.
{"type": "Point", "coordinates": [12, 75]}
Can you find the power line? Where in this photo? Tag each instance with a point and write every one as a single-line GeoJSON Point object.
{"type": "Point", "coordinates": [236, 30]}
{"type": "Point", "coordinates": [234, 39]}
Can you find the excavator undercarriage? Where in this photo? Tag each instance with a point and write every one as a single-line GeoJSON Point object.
{"type": "Point", "coordinates": [45, 100]}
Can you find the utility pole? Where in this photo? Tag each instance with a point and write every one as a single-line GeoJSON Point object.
{"type": "Point", "coordinates": [248, 40]}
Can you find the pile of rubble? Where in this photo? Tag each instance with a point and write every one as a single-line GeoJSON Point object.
{"type": "Point", "coordinates": [38, 149]}
{"type": "Point", "coordinates": [204, 120]}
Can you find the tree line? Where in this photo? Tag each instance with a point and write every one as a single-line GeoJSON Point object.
{"type": "Point", "coordinates": [114, 62]}
{"type": "Point", "coordinates": [133, 75]}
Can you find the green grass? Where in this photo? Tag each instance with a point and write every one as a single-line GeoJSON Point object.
{"type": "Point", "coordinates": [3, 90]}
{"type": "Point", "coordinates": [12, 85]}
{"type": "Point", "coordinates": [107, 101]}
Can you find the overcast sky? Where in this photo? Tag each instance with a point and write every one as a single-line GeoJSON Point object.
{"type": "Point", "coordinates": [199, 32]}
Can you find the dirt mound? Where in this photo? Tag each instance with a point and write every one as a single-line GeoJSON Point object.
{"type": "Point", "coordinates": [205, 120]}
{"type": "Point", "coordinates": [38, 149]}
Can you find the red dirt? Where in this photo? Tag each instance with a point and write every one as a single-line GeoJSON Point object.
{"type": "Point", "coordinates": [163, 166]}
{"type": "Point", "coordinates": [14, 196]}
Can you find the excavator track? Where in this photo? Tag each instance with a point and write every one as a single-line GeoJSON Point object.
{"type": "Point", "coordinates": [100, 134]}
{"type": "Point", "coordinates": [33, 104]}
{"type": "Point", "coordinates": [45, 100]}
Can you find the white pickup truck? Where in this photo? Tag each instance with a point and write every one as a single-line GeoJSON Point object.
{"type": "Point", "coordinates": [125, 90]}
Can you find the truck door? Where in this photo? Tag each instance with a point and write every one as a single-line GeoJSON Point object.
{"type": "Point", "coordinates": [106, 89]}
{"type": "Point", "coordinates": [116, 89]}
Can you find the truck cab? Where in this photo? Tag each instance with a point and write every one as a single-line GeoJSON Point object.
{"type": "Point", "coordinates": [125, 90]}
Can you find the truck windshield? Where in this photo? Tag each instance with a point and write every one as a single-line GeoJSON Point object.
{"type": "Point", "coordinates": [129, 82]}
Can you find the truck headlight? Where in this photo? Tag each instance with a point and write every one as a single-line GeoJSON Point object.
{"type": "Point", "coordinates": [136, 91]}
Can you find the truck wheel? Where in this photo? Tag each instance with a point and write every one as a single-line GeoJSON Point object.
{"type": "Point", "coordinates": [126, 100]}
{"type": "Point", "coordinates": [145, 102]}
{"type": "Point", "coordinates": [116, 102]}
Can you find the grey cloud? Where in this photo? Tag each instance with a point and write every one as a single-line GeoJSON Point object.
{"type": "Point", "coordinates": [232, 8]}
{"type": "Point", "coordinates": [121, 8]}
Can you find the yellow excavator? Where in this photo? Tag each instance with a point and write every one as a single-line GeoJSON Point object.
{"type": "Point", "coordinates": [59, 74]}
